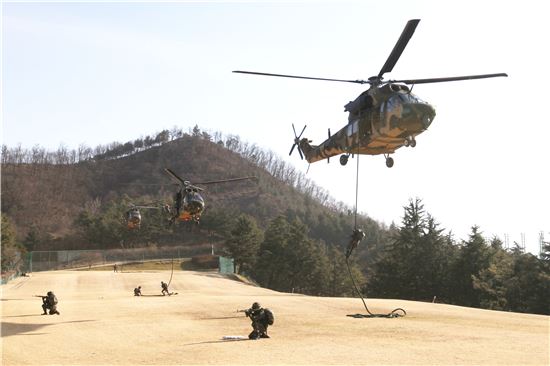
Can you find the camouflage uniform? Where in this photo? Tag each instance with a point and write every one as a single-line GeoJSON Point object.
{"type": "Point", "coordinates": [49, 302]}
{"type": "Point", "coordinates": [164, 288]}
{"type": "Point", "coordinates": [259, 321]}
{"type": "Point", "coordinates": [356, 237]}
{"type": "Point", "coordinates": [137, 291]}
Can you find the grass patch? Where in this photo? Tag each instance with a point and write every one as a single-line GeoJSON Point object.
{"type": "Point", "coordinates": [156, 265]}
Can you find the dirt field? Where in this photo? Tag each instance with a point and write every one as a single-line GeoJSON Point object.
{"type": "Point", "coordinates": [102, 323]}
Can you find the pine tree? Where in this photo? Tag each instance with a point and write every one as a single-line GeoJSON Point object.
{"type": "Point", "coordinates": [243, 243]}
{"type": "Point", "coordinates": [271, 261]}
{"type": "Point", "coordinates": [415, 266]}
{"type": "Point", "coordinates": [492, 282]}
{"type": "Point", "coordinates": [474, 257]}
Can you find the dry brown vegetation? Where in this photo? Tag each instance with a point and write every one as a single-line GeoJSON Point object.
{"type": "Point", "coordinates": [101, 323]}
{"type": "Point", "coordinates": [47, 191]}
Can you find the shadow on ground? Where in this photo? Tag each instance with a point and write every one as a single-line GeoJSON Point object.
{"type": "Point", "coordinates": [12, 329]}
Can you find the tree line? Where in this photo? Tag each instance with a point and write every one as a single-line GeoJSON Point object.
{"type": "Point", "coordinates": [298, 248]}
{"type": "Point", "coordinates": [417, 262]}
{"type": "Point", "coordinates": [422, 263]}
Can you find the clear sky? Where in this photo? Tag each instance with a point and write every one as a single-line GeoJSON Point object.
{"type": "Point", "coordinates": [98, 72]}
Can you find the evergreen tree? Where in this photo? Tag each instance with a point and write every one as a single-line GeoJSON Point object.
{"type": "Point", "coordinates": [528, 289]}
{"type": "Point", "coordinates": [271, 262]}
{"type": "Point", "coordinates": [11, 251]}
{"type": "Point", "coordinates": [290, 261]}
{"type": "Point", "coordinates": [415, 266]}
{"type": "Point", "coordinates": [243, 243]}
{"type": "Point", "coordinates": [492, 282]}
{"type": "Point", "coordinates": [474, 257]}
{"type": "Point", "coordinates": [308, 267]}
{"type": "Point", "coordinates": [339, 282]}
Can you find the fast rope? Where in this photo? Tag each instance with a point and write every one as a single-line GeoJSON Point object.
{"type": "Point", "coordinates": [395, 312]}
{"type": "Point", "coordinates": [172, 273]}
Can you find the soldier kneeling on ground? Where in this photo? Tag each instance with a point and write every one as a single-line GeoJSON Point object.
{"type": "Point", "coordinates": [49, 302]}
{"type": "Point", "coordinates": [261, 319]}
{"type": "Point", "coordinates": [137, 291]}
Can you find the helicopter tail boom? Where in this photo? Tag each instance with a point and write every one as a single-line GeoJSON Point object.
{"type": "Point", "coordinates": [313, 153]}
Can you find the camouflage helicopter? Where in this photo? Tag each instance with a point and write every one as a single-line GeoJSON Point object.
{"type": "Point", "coordinates": [188, 203]}
{"type": "Point", "coordinates": [132, 216]}
{"type": "Point", "coordinates": [382, 119]}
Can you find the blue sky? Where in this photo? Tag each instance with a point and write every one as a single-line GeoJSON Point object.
{"type": "Point", "coordinates": [93, 73]}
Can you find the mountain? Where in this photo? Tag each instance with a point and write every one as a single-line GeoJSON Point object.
{"type": "Point", "coordinates": [48, 195]}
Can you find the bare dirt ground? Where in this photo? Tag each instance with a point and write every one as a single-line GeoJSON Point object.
{"type": "Point", "coordinates": [102, 323]}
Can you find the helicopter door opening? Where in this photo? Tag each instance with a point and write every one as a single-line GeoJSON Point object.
{"type": "Point", "coordinates": [353, 128]}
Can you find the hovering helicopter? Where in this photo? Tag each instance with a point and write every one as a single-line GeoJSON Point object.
{"type": "Point", "coordinates": [133, 216]}
{"type": "Point", "coordinates": [188, 203]}
{"type": "Point", "coordinates": [382, 119]}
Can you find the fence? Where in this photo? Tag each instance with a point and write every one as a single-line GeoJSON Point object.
{"type": "Point", "coordinates": [226, 265]}
{"type": "Point", "coordinates": [66, 259]}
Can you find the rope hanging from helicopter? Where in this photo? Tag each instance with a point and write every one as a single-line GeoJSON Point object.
{"type": "Point", "coordinates": [172, 273]}
{"type": "Point", "coordinates": [395, 312]}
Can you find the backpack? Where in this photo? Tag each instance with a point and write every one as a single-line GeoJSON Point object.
{"type": "Point", "coordinates": [54, 300]}
{"type": "Point", "coordinates": [269, 316]}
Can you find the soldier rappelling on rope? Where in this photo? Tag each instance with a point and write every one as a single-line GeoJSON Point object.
{"type": "Point", "coordinates": [356, 238]}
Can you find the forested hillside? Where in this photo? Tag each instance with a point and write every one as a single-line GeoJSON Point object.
{"type": "Point", "coordinates": [47, 193]}
{"type": "Point", "coordinates": [281, 229]}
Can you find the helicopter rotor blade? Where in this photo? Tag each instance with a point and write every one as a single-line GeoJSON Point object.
{"type": "Point", "coordinates": [300, 152]}
{"type": "Point", "coordinates": [175, 176]}
{"type": "Point", "coordinates": [406, 35]}
{"type": "Point", "coordinates": [455, 78]}
{"type": "Point", "coordinates": [150, 184]}
{"type": "Point", "coordinates": [191, 186]}
{"type": "Point", "coordinates": [152, 207]}
{"type": "Point", "coordinates": [292, 149]}
{"type": "Point", "coordinates": [226, 180]}
{"type": "Point", "coordinates": [297, 142]}
{"type": "Point", "coordinates": [302, 77]}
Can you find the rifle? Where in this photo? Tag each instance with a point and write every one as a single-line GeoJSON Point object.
{"type": "Point", "coordinates": [246, 311]}
{"type": "Point", "coordinates": [44, 298]}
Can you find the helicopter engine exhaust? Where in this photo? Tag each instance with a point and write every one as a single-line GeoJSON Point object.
{"type": "Point", "coordinates": [398, 87]}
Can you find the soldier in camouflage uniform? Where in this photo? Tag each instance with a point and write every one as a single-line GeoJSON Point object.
{"type": "Point", "coordinates": [356, 238]}
{"type": "Point", "coordinates": [260, 321]}
{"type": "Point", "coordinates": [49, 302]}
{"type": "Point", "coordinates": [164, 286]}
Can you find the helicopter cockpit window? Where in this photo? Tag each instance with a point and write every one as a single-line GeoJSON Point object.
{"type": "Point", "coordinates": [392, 103]}
{"type": "Point", "coordinates": [353, 128]}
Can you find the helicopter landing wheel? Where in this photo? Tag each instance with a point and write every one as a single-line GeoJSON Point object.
{"type": "Point", "coordinates": [344, 159]}
{"type": "Point", "coordinates": [406, 142]}
{"type": "Point", "coordinates": [389, 161]}
{"type": "Point", "coordinates": [412, 142]}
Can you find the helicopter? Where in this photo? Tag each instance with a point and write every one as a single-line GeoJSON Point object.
{"type": "Point", "coordinates": [382, 119]}
{"type": "Point", "coordinates": [132, 216]}
{"type": "Point", "coordinates": [188, 202]}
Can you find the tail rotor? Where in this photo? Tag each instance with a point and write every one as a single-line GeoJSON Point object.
{"type": "Point", "coordinates": [297, 142]}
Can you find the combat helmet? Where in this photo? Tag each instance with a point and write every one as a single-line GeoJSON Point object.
{"type": "Point", "coordinates": [256, 306]}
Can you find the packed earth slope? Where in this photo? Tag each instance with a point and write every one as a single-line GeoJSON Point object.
{"type": "Point", "coordinates": [102, 323]}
